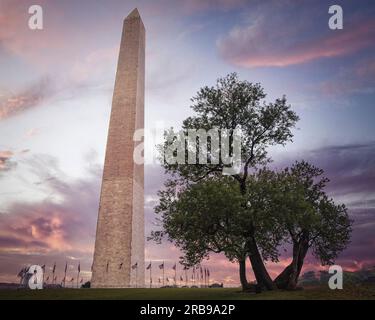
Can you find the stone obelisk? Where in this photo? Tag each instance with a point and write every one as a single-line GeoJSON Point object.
{"type": "Point", "coordinates": [119, 245]}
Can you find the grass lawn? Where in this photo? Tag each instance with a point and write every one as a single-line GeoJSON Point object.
{"type": "Point", "coordinates": [349, 292]}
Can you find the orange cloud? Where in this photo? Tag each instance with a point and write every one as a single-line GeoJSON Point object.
{"type": "Point", "coordinates": [27, 99]}
{"type": "Point", "coordinates": [4, 159]}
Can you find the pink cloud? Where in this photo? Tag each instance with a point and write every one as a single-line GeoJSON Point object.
{"type": "Point", "coordinates": [194, 6]}
{"type": "Point", "coordinates": [261, 45]}
{"type": "Point", "coordinates": [48, 230]}
{"type": "Point", "coordinates": [5, 157]}
{"type": "Point", "coordinates": [29, 98]}
{"type": "Point", "coordinates": [190, 7]}
{"type": "Point", "coordinates": [357, 78]}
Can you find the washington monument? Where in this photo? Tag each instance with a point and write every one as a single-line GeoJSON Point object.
{"type": "Point", "coordinates": [119, 245]}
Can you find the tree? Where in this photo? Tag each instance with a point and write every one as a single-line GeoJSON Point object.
{"type": "Point", "coordinates": [291, 206]}
{"type": "Point", "coordinates": [229, 105]}
{"type": "Point", "coordinates": [203, 218]}
{"type": "Point", "coordinates": [311, 219]}
{"type": "Point", "coordinates": [210, 216]}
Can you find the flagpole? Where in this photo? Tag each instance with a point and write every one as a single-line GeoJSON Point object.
{"type": "Point", "coordinates": [150, 275]}
{"type": "Point", "coordinates": [53, 273]}
{"type": "Point", "coordinates": [208, 278]}
{"type": "Point", "coordinates": [163, 273]}
{"type": "Point", "coordinates": [79, 269]}
{"type": "Point", "coordinates": [175, 274]}
{"type": "Point", "coordinates": [43, 273]}
{"type": "Point", "coordinates": [205, 273]}
{"type": "Point", "coordinates": [66, 265]}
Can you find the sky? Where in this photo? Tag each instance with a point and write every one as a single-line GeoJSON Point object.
{"type": "Point", "coordinates": [56, 88]}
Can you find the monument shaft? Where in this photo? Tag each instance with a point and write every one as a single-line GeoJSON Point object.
{"type": "Point", "coordinates": [119, 243]}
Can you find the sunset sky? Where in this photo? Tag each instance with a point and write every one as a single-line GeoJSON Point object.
{"type": "Point", "coordinates": [55, 97]}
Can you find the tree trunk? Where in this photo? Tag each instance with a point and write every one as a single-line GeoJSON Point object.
{"type": "Point", "coordinates": [288, 278]}
{"type": "Point", "coordinates": [245, 285]}
{"type": "Point", "coordinates": [261, 274]}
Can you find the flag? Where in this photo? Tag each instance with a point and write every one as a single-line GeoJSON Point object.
{"type": "Point", "coordinates": [21, 273]}
{"type": "Point", "coordinates": [54, 268]}
{"type": "Point", "coordinates": [120, 266]}
{"type": "Point", "coordinates": [135, 266]}
{"type": "Point", "coordinates": [71, 280]}
{"type": "Point", "coordinates": [174, 267]}
{"type": "Point", "coordinates": [79, 266]}
{"type": "Point", "coordinates": [161, 266]}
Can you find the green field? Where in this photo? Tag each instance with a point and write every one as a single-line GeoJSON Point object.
{"type": "Point", "coordinates": [352, 292]}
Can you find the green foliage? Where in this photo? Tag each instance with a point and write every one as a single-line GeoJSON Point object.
{"type": "Point", "coordinates": [229, 214]}
{"type": "Point", "coordinates": [287, 206]}
{"type": "Point", "coordinates": [231, 104]}
{"type": "Point", "coordinates": [203, 218]}
{"type": "Point", "coordinates": [308, 213]}
{"type": "Point", "coordinates": [210, 216]}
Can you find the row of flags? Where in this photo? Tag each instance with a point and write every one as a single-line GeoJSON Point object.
{"type": "Point", "coordinates": [199, 274]}
{"type": "Point", "coordinates": [53, 277]}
